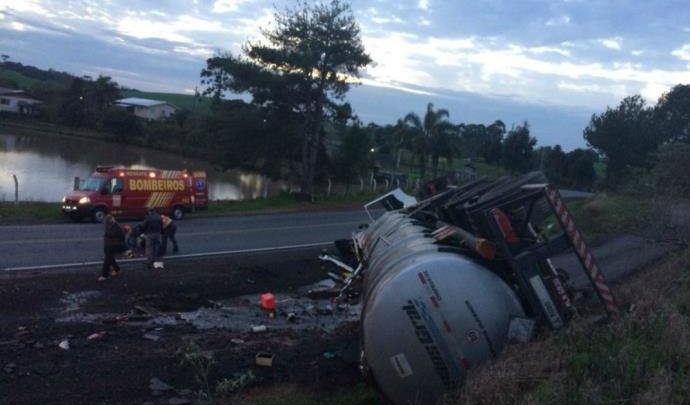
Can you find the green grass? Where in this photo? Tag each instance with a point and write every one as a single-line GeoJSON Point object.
{"type": "Point", "coordinates": [607, 214]}
{"type": "Point", "coordinates": [49, 212]}
{"type": "Point", "coordinates": [7, 75]}
{"type": "Point", "coordinates": [358, 395]}
{"type": "Point", "coordinates": [188, 101]}
{"type": "Point", "coordinates": [29, 212]}
{"type": "Point", "coordinates": [642, 358]}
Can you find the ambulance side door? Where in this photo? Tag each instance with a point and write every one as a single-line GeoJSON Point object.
{"type": "Point", "coordinates": [117, 188]}
{"type": "Point", "coordinates": [137, 198]}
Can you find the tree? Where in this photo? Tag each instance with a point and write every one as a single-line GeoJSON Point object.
{"type": "Point", "coordinates": [122, 124]}
{"type": "Point", "coordinates": [623, 136]}
{"type": "Point", "coordinates": [672, 114]}
{"type": "Point", "coordinates": [433, 136]}
{"type": "Point", "coordinates": [491, 150]}
{"type": "Point", "coordinates": [352, 158]}
{"type": "Point", "coordinates": [474, 138]}
{"type": "Point", "coordinates": [517, 149]}
{"type": "Point", "coordinates": [306, 64]}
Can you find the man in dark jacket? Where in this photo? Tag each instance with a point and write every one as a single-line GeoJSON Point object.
{"type": "Point", "coordinates": [152, 227]}
{"type": "Point", "coordinates": [169, 231]}
{"type": "Point", "coordinates": [113, 243]}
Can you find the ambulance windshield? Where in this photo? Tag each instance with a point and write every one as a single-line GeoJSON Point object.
{"type": "Point", "coordinates": [91, 184]}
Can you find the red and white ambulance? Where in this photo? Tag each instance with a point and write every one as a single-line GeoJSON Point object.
{"type": "Point", "coordinates": [131, 192]}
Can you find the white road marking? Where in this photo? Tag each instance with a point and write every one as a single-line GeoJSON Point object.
{"type": "Point", "coordinates": [175, 257]}
{"type": "Point", "coordinates": [193, 233]}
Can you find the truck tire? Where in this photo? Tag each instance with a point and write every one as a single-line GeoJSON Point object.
{"type": "Point", "coordinates": [99, 215]}
{"type": "Point", "coordinates": [177, 213]}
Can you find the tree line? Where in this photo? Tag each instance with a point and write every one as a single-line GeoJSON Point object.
{"type": "Point", "coordinates": [299, 125]}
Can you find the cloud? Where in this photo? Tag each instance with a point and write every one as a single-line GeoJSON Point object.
{"type": "Point", "coordinates": [227, 6]}
{"type": "Point", "coordinates": [682, 53]}
{"type": "Point", "coordinates": [556, 21]}
{"type": "Point", "coordinates": [423, 4]}
{"type": "Point", "coordinates": [611, 43]}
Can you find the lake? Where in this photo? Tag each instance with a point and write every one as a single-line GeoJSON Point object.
{"type": "Point", "coordinates": [46, 165]}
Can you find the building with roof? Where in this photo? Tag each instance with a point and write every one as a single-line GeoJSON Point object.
{"type": "Point", "coordinates": [147, 108]}
{"type": "Point", "coordinates": [17, 101]}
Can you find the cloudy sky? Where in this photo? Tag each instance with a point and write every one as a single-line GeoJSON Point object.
{"type": "Point", "coordinates": [552, 63]}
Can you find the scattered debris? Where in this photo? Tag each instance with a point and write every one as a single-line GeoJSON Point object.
{"type": "Point", "coordinates": [521, 330]}
{"type": "Point", "coordinates": [259, 328]}
{"type": "Point", "coordinates": [147, 310]}
{"type": "Point", "coordinates": [238, 382]}
{"type": "Point", "coordinates": [268, 301]}
{"type": "Point", "coordinates": [151, 336]}
{"type": "Point", "coordinates": [292, 317]}
{"type": "Point", "coordinates": [96, 335]}
{"type": "Point", "coordinates": [264, 359]}
{"type": "Point", "coordinates": [237, 341]}
{"type": "Point", "coordinates": [329, 355]}
{"type": "Point", "coordinates": [64, 345]}
{"type": "Point", "coordinates": [155, 384]}
{"type": "Point", "coordinates": [158, 265]}
{"type": "Point", "coordinates": [250, 281]}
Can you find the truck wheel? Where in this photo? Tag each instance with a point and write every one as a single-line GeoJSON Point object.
{"type": "Point", "coordinates": [98, 215]}
{"type": "Point", "coordinates": [177, 212]}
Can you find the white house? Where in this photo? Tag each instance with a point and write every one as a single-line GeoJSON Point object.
{"type": "Point", "coordinates": [148, 109]}
{"type": "Point", "coordinates": [17, 101]}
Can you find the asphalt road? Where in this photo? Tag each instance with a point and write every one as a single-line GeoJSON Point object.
{"type": "Point", "coordinates": [59, 245]}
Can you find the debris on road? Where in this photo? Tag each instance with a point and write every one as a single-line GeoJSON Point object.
{"type": "Point", "coordinates": [264, 359]}
{"type": "Point", "coordinates": [64, 345]}
{"type": "Point", "coordinates": [96, 335]}
{"type": "Point", "coordinates": [268, 301]}
{"type": "Point", "coordinates": [152, 337]}
{"type": "Point", "coordinates": [155, 384]}
{"type": "Point", "coordinates": [259, 328]}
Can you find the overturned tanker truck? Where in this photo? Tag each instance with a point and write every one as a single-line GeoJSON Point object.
{"type": "Point", "coordinates": [447, 282]}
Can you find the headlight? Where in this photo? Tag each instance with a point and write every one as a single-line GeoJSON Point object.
{"type": "Point", "coordinates": [64, 200]}
{"type": "Point", "coordinates": [85, 200]}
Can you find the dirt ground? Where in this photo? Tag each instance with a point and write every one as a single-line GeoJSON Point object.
{"type": "Point", "coordinates": [41, 310]}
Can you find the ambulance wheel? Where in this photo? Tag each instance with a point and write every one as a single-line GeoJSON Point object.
{"type": "Point", "coordinates": [98, 215]}
{"type": "Point", "coordinates": [177, 212]}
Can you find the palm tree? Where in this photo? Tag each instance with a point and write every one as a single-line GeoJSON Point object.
{"type": "Point", "coordinates": [434, 136]}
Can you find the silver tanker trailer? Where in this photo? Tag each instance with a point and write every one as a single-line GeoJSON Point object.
{"type": "Point", "coordinates": [447, 282]}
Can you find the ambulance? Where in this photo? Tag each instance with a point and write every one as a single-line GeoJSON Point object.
{"type": "Point", "coordinates": [131, 193]}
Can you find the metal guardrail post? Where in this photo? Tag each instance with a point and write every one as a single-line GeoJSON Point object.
{"type": "Point", "coordinates": [16, 188]}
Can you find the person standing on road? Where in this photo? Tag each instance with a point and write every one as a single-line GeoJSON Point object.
{"type": "Point", "coordinates": [169, 230]}
{"type": "Point", "coordinates": [152, 227]}
{"type": "Point", "coordinates": [113, 243]}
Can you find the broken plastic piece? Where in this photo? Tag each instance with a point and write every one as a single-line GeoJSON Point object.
{"type": "Point", "coordinates": [268, 301]}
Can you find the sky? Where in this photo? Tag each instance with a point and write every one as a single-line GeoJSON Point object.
{"type": "Point", "coordinates": [550, 63]}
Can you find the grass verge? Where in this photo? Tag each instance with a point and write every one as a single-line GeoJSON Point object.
{"type": "Point", "coordinates": [49, 212]}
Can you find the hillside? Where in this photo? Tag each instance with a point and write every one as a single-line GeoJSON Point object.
{"type": "Point", "coordinates": [16, 75]}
